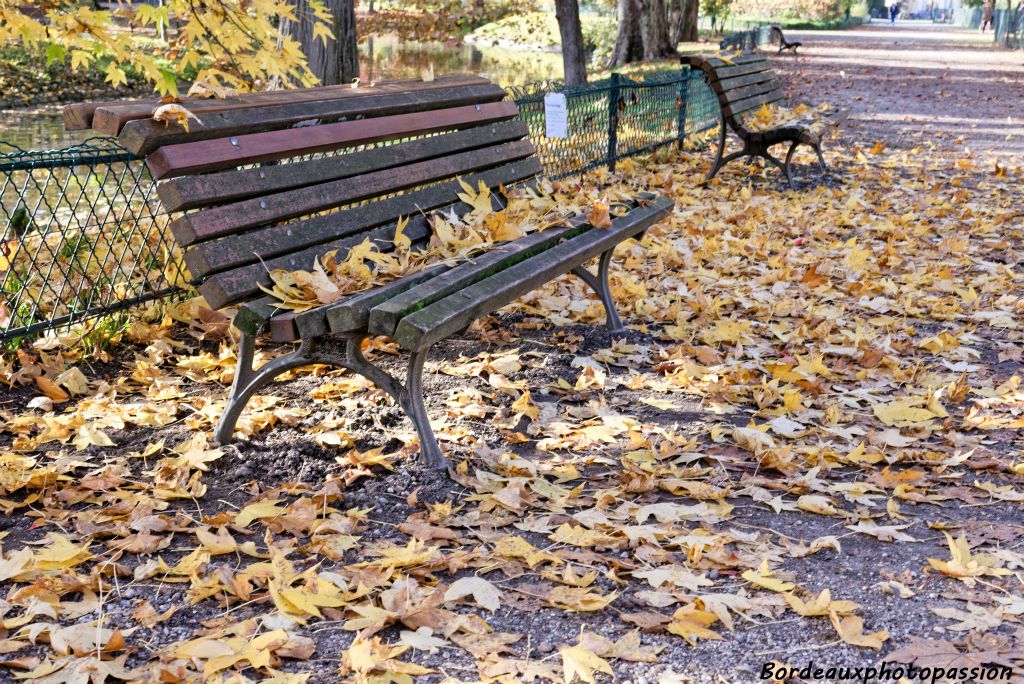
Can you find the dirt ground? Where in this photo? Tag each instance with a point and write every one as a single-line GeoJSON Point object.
{"type": "Point", "coordinates": [954, 478]}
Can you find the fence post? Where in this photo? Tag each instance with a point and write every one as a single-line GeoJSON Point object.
{"type": "Point", "coordinates": [684, 98]}
{"type": "Point", "coordinates": [613, 120]}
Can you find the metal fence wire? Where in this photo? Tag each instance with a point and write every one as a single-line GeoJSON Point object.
{"type": "Point", "coordinates": [82, 233]}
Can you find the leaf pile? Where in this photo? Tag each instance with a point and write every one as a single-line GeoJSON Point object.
{"type": "Point", "coordinates": [454, 238]}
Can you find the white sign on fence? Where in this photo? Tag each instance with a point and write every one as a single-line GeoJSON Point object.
{"type": "Point", "coordinates": [556, 116]}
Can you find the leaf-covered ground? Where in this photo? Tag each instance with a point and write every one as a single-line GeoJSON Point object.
{"type": "Point", "coordinates": [807, 448]}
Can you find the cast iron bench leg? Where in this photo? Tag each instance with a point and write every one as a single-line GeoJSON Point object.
{"type": "Point", "coordinates": [821, 158]}
{"type": "Point", "coordinates": [784, 167]}
{"type": "Point", "coordinates": [248, 381]}
{"type": "Point", "coordinates": [719, 163]}
{"type": "Point", "coordinates": [431, 455]}
{"type": "Point", "coordinates": [599, 284]}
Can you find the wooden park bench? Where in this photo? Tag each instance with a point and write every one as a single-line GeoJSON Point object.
{"type": "Point", "coordinates": [275, 180]}
{"type": "Point", "coordinates": [743, 85]}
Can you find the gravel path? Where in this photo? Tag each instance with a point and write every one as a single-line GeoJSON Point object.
{"type": "Point", "coordinates": [914, 82]}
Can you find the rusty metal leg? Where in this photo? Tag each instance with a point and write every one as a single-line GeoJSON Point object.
{"type": "Point", "coordinates": [599, 284]}
{"type": "Point", "coordinates": [789, 159]}
{"type": "Point", "coordinates": [248, 380]}
{"type": "Point", "coordinates": [782, 167]}
{"type": "Point", "coordinates": [718, 163]}
{"type": "Point", "coordinates": [821, 158]}
{"type": "Point", "coordinates": [431, 455]}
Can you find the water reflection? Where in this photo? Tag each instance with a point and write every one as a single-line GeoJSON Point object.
{"type": "Point", "coordinates": [386, 57]}
{"type": "Point", "coordinates": [381, 57]}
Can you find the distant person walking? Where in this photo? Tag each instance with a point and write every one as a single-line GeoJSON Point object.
{"type": "Point", "coordinates": [987, 11]}
{"type": "Point", "coordinates": [894, 11]}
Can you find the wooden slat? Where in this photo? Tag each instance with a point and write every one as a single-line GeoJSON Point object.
{"type": "Point", "coordinates": [384, 318]}
{"type": "Point", "coordinates": [240, 284]}
{"type": "Point", "coordinates": [732, 72]}
{"type": "Point", "coordinates": [745, 93]}
{"type": "Point", "coordinates": [266, 243]}
{"type": "Point", "coordinates": [728, 84]}
{"type": "Point", "coordinates": [248, 277]}
{"type": "Point", "coordinates": [142, 136]}
{"type": "Point", "coordinates": [232, 218]}
{"type": "Point", "coordinates": [451, 314]}
{"type": "Point", "coordinates": [253, 316]}
{"type": "Point", "coordinates": [751, 103]}
{"type": "Point", "coordinates": [78, 116]}
{"type": "Point", "coordinates": [700, 61]}
{"type": "Point", "coordinates": [110, 118]}
{"type": "Point", "coordinates": [214, 155]}
{"type": "Point", "coordinates": [189, 192]}
{"type": "Point", "coordinates": [351, 313]}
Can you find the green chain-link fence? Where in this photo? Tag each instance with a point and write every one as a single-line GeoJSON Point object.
{"type": "Point", "coordinates": [82, 233]}
{"type": "Point", "coordinates": [82, 236]}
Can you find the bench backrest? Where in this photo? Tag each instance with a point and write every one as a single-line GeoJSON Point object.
{"type": "Point", "coordinates": [742, 84]}
{"type": "Point", "coordinates": [276, 180]}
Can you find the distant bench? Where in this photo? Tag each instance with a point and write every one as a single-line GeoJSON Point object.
{"type": "Point", "coordinates": [245, 217]}
{"type": "Point", "coordinates": [743, 85]}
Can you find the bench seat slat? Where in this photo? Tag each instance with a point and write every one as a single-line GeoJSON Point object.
{"type": "Point", "coordinates": [109, 118]}
{"type": "Point", "coordinates": [232, 218]}
{"type": "Point", "coordinates": [443, 318]}
{"type": "Point", "coordinates": [222, 153]}
{"type": "Point", "coordinates": [190, 192]}
{"type": "Point", "coordinates": [352, 313]}
{"type": "Point", "coordinates": [239, 284]}
{"type": "Point", "coordinates": [254, 315]}
{"type": "Point", "coordinates": [384, 317]}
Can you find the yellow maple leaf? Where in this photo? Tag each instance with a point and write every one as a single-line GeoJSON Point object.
{"type": "Point", "coordinates": [578, 662]}
{"type": "Point", "coordinates": [963, 565]}
{"type": "Point", "coordinates": [578, 599]}
{"type": "Point", "coordinates": [268, 508]}
{"type": "Point", "coordinates": [763, 577]}
{"type": "Point", "coordinates": [851, 630]}
{"type": "Point", "coordinates": [820, 605]}
{"type": "Point", "coordinates": [692, 623]}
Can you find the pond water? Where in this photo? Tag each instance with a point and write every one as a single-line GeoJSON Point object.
{"type": "Point", "coordinates": [381, 57]}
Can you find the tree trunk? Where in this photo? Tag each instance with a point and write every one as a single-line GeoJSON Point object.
{"type": "Point", "coordinates": [574, 58]}
{"type": "Point", "coordinates": [628, 44]}
{"type": "Point", "coordinates": [643, 32]}
{"type": "Point", "coordinates": [676, 10]}
{"type": "Point", "coordinates": [689, 30]}
{"type": "Point", "coordinates": [337, 61]}
{"type": "Point", "coordinates": [654, 30]}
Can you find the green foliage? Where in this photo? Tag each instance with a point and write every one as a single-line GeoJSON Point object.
{"type": "Point", "coordinates": [237, 43]}
{"type": "Point", "coordinates": [539, 30]}
{"type": "Point", "coordinates": [718, 10]}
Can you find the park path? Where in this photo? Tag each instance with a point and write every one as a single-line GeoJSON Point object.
{"type": "Point", "coordinates": [912, 82]}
